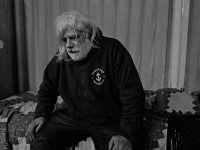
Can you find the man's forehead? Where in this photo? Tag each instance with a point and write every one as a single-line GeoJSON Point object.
{"type": "Point", "coordinates": [72, 32]}
{"type": "Point", "coordinates": [78, 29]}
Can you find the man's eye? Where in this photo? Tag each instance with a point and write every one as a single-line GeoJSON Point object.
{"type": "Point", "coordinates": [64, 39]}
{"type": "Point", "coordinates": [78, 36]}
{"type": "Point", "coordinates": [72, 38]}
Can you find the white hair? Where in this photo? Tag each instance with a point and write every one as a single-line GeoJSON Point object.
{"type": "Point", "coordinates": [77, 22]}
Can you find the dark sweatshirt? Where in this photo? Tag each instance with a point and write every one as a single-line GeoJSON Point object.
{"type": "Point", "coordinates": [103, 90]}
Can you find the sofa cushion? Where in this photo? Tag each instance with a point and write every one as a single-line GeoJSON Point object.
{"type": "Point", "coordinates": [156, 132]}
{"type": "Point", "coordinates": [16, 113]}
{"type": "Point", "coordinates": [175, 102]}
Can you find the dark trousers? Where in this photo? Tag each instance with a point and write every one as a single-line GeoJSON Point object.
{"type": "Point", "coordinates": [61, 131]}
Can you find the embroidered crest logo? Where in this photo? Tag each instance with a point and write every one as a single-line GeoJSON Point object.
{"type": "Point", "coordinates": [98, 76]}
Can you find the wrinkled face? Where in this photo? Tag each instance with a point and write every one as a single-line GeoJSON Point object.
{"type": "Point", "coordinates": [76, 44]}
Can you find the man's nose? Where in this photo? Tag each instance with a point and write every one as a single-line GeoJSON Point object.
{"type": "Point", "coordinates": [69, 44]}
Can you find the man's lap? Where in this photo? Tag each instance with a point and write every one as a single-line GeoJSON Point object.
{"type": "Point", "coordinates": [61, 130]}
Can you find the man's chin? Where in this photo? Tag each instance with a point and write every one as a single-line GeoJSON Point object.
{"type": "Point", "coordinates": [75, 57]}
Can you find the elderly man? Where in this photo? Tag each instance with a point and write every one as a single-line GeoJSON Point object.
{"type": "Point", "coordinates": [98, 81]}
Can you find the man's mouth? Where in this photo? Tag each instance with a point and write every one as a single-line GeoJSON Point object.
{"type": "Point", "coordinates": [72, 51]}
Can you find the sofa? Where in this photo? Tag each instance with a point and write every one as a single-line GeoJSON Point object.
{"type": "Point", "coordinates": [17, 111]}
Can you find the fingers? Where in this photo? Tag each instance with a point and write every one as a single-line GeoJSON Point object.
{"type": "Point", "coordinates": [119, 143]}
{"type": "Point", "coordinates": [119, 147]}
{"type": "Point", "coordinates": [30, 133]}
{"type": "Point", "coordinates": [30, 136]}
{"type": "Point", "coordinates": [111, 144]}
{"type": "Point", "coordinates": [39, 127]}
{"type": "Point", "coordinates": [35, 126]}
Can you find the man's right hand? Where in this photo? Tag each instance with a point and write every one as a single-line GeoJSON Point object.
{"type": "Point", "coordinates": [35, 126]}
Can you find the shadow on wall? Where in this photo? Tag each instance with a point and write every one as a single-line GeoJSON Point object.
{"type": "Point", "coordinates": [20, 53]}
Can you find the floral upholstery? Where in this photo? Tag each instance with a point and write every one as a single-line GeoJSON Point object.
{"type": "Point", "coordinates": [176, 102]}
{"type": "Point", "coordinates": [16, 112]}
{"type": "Point", "coordinates": [166, 101]}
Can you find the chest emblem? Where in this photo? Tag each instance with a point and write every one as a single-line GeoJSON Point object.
{"type": "Point", "coordinates": [98, 76]}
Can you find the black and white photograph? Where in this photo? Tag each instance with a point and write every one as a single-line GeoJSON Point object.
{"type": "Point", "coordinates": [99, 75]}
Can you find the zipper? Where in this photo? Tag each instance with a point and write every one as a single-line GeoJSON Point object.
{"type": "Point", "coordinates": [76, 92]}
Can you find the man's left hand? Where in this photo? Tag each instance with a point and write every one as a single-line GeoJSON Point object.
{"type": "Point", "coordinates": [119, 143]}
